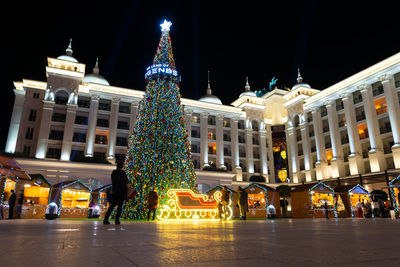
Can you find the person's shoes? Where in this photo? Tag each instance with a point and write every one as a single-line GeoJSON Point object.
{"type": "Point", "coordinates": [117, 222]}
{"type": "Point", "coordinates": [106, 222]}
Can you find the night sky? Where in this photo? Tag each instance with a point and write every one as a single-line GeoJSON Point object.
{"type": "Point", "coordinates": [327, 42]}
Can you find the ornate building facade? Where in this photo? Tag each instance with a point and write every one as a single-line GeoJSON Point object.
{"type": "Point", "coordinates": [295, 135]}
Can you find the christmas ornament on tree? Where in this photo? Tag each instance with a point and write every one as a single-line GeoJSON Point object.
{"type": "Point", "coordinates": [159, 151]}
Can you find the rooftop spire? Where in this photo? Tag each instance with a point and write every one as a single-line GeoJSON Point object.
{"type": "Point", "coordinates": [247, 87]}
{"type": "Point", "coordinates": [299, 78]}
{"type": "Point", "coordinates": [96, 67]}
{"type": "Point", "coordinates": [209, 92]}
{"type": "Point", "coordinates": [69, 48]}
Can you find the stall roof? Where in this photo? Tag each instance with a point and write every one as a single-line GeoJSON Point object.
{"type": "Point", "coordinates": [220, 186]}
{"type": "Point", "coordinates": [262, 186]}
{"type": "Point", "coordinates": [303, 187]}
{"type": "Point", "coordinates": [102, 188]}
{"type": "Point", "coordinates": [395, 182]}
{"type": "Point", "coordinates": [358, 189]}
{"type": "Point", "coordinates": [65, 184]}
{"type": "Point", "coordinates": [10, 168]}
{"type": "Point", "coordinates": [40, 177]}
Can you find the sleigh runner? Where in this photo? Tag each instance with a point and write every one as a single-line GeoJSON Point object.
{"type": "Point", "coordinates": [184, 204]}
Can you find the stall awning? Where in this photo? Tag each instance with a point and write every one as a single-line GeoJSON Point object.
{"type": "Point", "coordinates": [100, 189]}
{"type": "Point", "coordinates": [10, 168]}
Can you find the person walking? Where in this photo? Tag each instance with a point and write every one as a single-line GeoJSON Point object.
{"type": "Point", "coordinates": [326, 209]}
{"type": "Point", "coordinates": [152, 203]}
{"type": "Point", "coordinates": [11, 204]}
{"type": "Point", "coordinates": [119, 192]}
{"type": "Point", "coordinates": [242, 202]}
{"type": "Point", "coordinates": [224, 202]}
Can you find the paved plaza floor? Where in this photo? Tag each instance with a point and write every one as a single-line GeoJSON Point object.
{"type": "Point", "coordinates": [282, 242]}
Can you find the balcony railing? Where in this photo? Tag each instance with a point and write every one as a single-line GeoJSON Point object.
{"type": "Point", "coordinates": [300, 153]}
{"type": "Point", "coordinates": [328, 145]}
{"type": "Point", "coordinates": [339, 107]}
{"type": "Point", "coordinates": [377, 91]}
{"type": "Point", "coordinates": [365, 154]}
{"type": "Point", "coordinates": [325, 129]}
{"type": "Point", "coordinates": [324, 113]}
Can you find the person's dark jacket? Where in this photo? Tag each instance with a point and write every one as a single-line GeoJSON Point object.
{"type": "Point", "coordinates": [12, 199]}
{"type": "Point", "coordinates": [152, 201]}
{"type": "Point", "coordinates": [119, 182]}
{"type": "Point", "coordinates": [243, 199]}
{"type": "Point", "coordinates": [225, 197]}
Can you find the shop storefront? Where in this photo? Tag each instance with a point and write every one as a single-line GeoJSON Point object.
{"type": "Point", "coordinates": [352, 201]}
{"type": "Point", "coordinates": [308, 201]}
{"type": "Point", "coordinates": [12, 177]}
{"type": "Point", "coordinates": [395, 193]}
{"type": "Point", "coordinates": [263, 201]}
{"type": "Point", "coordinates": [36, 197]}
{"type": "Point", "coordinates": [72, 199]}
{"type": "Point", "coordinates": [210, 192]}
{"type": "Point", "coordinates": [101, 197]}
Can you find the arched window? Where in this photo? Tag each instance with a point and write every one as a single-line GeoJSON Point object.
{"type": "Point", "coordinates": [61, 97]}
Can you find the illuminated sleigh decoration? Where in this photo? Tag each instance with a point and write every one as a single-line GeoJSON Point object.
{"type": "Point", "coordinates": [184, 204]}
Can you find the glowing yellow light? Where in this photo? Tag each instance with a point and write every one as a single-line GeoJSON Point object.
{"type": "Point", "coordinates": [184, 204]}
{"type": "Point", "coordinates": [282, 174]}
{"type": "Point", "coordinates": [283, 154]}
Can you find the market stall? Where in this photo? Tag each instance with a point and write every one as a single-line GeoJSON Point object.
{"type": "Point", "coordinates": [36, 197]}
{"type": "Point", "coordinates": [263, 201]}
{"type": "Point", "coordinates": [72, 199]}
{"type": "Point", "coordinates": [210, 192]}
{"type": "Point", "coordinates": [101, 198]}
{"type": "Point", "coordinates": [12, 177]}
{"type": "Point", "coordinates": [395, 192]}
{"type": "Point", "coordinates": [352, 201]}
{"type": "Point", "coordinates": [308, 201]}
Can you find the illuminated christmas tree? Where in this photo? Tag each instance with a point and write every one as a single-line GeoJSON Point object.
{"type": "Point", "coordinates": [159, 151]}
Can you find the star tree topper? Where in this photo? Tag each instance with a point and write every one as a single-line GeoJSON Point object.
{"type": "Point", "coordinates": [165, 26]}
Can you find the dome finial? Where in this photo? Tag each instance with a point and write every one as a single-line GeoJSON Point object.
{"type": "Point", "coordinates": [69, 48]}
{"type": "Point", "coordinates": [299, 78]}
{"type": "Point", "coordinates": [209, 92]}
{"type": "Point", "coordinates": [96, 67]}
{"type": "Point", "coordinates": [247, 87]}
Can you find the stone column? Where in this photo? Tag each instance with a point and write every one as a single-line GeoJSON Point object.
{"type": "Point", "coordinates": [68, 131]}
{"type": "Point", "coordinates": [377, 160]}
{"type": "Point", "coordinates": [305, 138]}
{"type": "Point", "coordinates": [220, 141]}
{"type": "Point", "coordinates": [204, 140]}
{"type": "Point", "coordinates": [321, 164]}
{"type": "Point", "coordinates": [44, 129]}
{"type": "Point", "coordinates": [188, 119]}
{"type": "Point", "coordinates": [356, 163]}
{"type": "Point", "coordinates": [133, 119]}
{"type": "Point", "coordinates": [249, 148]}
{"type": "Point", "coordinates": [112, 138]}
{"type": "Point", "coordinates": [263, 150]}
{"type": "Point", "coordinates": [293, 154]}
{"type": "Point", "coordinates": [15, 121]}
{"type": "Point", "coordinates": [337, 163]}
{"type": "Point", "coordinates": [392, 102]}
{"type": "Point", "coordinates": [235, 149]}
{"type": "Point", "coordinates": [270, 155]}
{"type": "Point", "coordinates": [91, 130]}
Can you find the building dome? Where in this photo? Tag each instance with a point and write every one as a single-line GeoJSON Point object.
{"type": "Point", "coordinates": [247, 91]}
{"type": "Point", "coordinates": [209, 97]}
{"type": "Point", "coordinates": [95, 77]}
{"type": "Point", "coordinates": [68, 54]}
{"type": "Point", "coordinates": [300, 82]}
